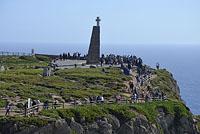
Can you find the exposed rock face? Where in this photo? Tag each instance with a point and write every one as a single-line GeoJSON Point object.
{"type": "Point", "coordinates": [114, 122]}
{"type": "Point", "coordinates": [76, 127]}
{"type": "Point", "coordinates": [59, 127]}
{"type": "Point", "coordinates": [111, 125]}
{"type": "Point", "coordinates": [176, 124]}
{"type": "Point", "coordinates": [175, 88]}
{"type": "Point", "coordinates": [139, 125]}
{"type": "Point", "coordinates": [172, 125]}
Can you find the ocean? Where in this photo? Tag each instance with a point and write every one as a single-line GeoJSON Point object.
{"type": "Point", "coordinates": [182, 60]}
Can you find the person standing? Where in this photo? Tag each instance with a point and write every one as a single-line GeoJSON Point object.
{"type": "Point", "coordinates": [8, 108]}
{"type": "Point", "coordinates": [131, 86]}
{"type": "Point", "coordinates": [157, 66]}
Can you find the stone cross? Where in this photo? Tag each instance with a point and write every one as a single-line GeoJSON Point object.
{"type": "Point", "coordinates": [98, 21]}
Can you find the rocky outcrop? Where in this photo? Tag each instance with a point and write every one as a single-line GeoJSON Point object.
{"type": "Point", "coordinates": [175, 124]}
{"type": "Point", "coordinates": [138, 125]}
{"type": "Point", "coordinates": [58, 127]}
{"type": "Point", "coordinates": [174, 86]}
{"type": "Point", "coordinates": [165, 123]}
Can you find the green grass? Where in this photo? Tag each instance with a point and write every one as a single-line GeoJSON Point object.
{"type": "Point", "coordinates": [25, 62]}
{"type": "Point", "coordinates": [24, 121]}
{"type": "Point", "coordinates": [91, 113]}
{"type": "Point", "coordinates": [27, 82]}
{"type": "Point", "coordinates": [150, 110]}
{"type": "Point", "coordinates": [165, 82]}
{"type": "Point", "coordinates": [197, 117]}
{"type": "Point", "coordinates": [92, 75]}
{"type": "Point", "coordinates": [2, 103]}
{"type": "Point", "coordinates": [123, 112]}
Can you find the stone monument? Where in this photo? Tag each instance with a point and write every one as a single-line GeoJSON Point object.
{"type": "Point", "coordinates": [2, 68]}
{"type": "Point", "coordinates": [94, 49]}
{"type": "Point", "coordinates": [32, 52]}
{"type": "Point", "coordinates": [47, 71]}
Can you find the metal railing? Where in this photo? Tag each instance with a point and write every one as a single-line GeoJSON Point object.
{"type": "Point", "coordinates": [34, 110]}
{"type": "Point", "coordinates": [3, 53]}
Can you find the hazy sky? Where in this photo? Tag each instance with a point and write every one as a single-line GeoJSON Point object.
{"type": "Point", "coordinates": [123, 22]}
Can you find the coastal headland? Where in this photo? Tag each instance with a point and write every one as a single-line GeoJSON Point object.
{"type": "Point", "coordinates": [89, 94]}
{"type": "Point", "coordinates": [70, 99]}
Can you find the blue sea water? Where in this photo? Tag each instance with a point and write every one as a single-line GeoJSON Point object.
{"type": "Point", "coordinates": [182, 60]}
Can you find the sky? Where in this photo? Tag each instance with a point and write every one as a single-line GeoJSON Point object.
{"type": "Point", "coordinates": [129, 22]}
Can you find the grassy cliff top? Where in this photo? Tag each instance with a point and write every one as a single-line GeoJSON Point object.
{"type": "Point", "coordinates": [123, 112]}
{"type": "Point", "coordinates": [24, 61]}
{"type": "Point", "coordinates": [22, 81]}
{"type": "Point", "coordinates": [165, 82]}
{"type": "Point", "coordinates": [89, 113]}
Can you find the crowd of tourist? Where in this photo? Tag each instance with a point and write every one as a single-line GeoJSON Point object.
{"type": "Point", "coordinates": [142, 90]}
{"type": "Point", "coordinates": [73, 56]}
{"type": "Point", "coordinates": [112, 59]}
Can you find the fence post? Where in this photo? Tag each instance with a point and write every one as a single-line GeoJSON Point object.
{"type": "Point", "coordinates": [25, 111]}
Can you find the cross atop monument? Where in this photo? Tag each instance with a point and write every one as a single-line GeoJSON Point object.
{"type": "Point", "coordinates": [98, 21]}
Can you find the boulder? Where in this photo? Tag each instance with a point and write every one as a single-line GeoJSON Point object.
{"type": "Point", "coordinates": [99, 127]}
{"type": "Point", "coordinates": [139, 125]}
{"type": "Point", "coordinates": [58, 127]}
{"type": "Point", "coordinates": [104, 127]}
{"type": "Point", "coordinates": [2, 69]}
{"type": "Point", "coordinates": [114, 122]}
{"type": "Point", "coordinates": [171, 124]}
{"type": "Point", "coordinates": [76, 127]}
{"type": "Point", "coordinates": [92, 128]}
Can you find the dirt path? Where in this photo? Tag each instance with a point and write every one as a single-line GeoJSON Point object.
{"type": "Point", "coordinates": [138, 86]}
